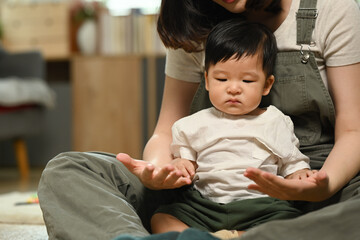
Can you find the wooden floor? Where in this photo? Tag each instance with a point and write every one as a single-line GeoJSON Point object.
{"type": "Point", "coordinates": [10, 180]}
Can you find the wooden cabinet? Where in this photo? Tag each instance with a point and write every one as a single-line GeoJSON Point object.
{"type": "Point", "coordinates": [107, 104]}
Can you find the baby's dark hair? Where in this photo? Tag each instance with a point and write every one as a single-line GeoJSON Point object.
{"type": "Point", "coordinates": [238, 38]}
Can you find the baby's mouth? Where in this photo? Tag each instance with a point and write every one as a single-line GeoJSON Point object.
{"type": "Point", "coordinates": [233, 101]}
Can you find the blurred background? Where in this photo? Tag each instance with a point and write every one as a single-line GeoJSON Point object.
{"type": "Point", "coordinates": [76, 76]}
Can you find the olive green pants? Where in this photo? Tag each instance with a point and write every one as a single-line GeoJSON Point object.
{"type": "Point", "coordinates": [93, 196]}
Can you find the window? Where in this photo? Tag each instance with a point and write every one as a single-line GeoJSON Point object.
{"type": "Point", "coordinates": [123, 7]}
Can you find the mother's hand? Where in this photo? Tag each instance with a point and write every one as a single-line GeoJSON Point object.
{"type": "Point", "coordinates": [153, 177]}
{"type": "Point", "coordinates": [314, 188]}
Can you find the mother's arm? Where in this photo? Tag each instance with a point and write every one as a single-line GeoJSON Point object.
{"type": "Point", "coordinates": [343, 162]}
{"type": "Point", "coordinates": [156, 172]}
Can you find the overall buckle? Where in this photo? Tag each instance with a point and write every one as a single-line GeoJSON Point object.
{"type": "Point", "coordinates": [307, 13]}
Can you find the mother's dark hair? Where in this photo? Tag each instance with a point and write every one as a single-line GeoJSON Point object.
{"type": "Point", "coordinates": [186, 23]}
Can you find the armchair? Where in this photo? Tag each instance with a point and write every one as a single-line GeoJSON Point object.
{"type": "Point", "coordinates": [24, 119]}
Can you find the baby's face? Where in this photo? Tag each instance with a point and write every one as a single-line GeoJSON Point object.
{"type": "Point", "coordinates": [237, 86]}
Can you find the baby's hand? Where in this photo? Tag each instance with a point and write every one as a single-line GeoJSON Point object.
{"type": "Point", "coordinates": [186, 166]}
{"type": "Point", "coordinates": [156, 178]}
{"type": "Point", "coordinates": [301, 174]}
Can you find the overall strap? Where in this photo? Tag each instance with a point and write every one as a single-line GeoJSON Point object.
{"type": "Point", "coordinates": [305, 18]}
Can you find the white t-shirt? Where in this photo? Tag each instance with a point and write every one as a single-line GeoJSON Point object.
{"type": "Point", "coordinates": [336, 36]}
{"type": "Point", "coordinates": [225, 145]}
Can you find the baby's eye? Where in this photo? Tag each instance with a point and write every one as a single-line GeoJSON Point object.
{"type": "Point", "coordinates": [248, 81]}
{"type": "Point", "coordinates": [221, 79]}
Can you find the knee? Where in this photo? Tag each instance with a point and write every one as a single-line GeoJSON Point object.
{"type": "Point", "coordinates": [162, 222]}
{"type": "Point", "coordinates": [62, 164]}
{"type": "Point", "coordinates": [156, 221]}
{"type": "Point", "coordinates": [74, 165]}
{"type": "Point", "coordinates": [63, 159]}
{"type": "Point", "coordinates": [67, 159]}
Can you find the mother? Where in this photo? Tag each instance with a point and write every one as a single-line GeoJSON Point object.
{"type": "Point", "coordinates": [91, 195]}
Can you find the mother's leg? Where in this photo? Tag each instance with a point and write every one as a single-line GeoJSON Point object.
{"type": "Point", "coordinates": [90, 196]}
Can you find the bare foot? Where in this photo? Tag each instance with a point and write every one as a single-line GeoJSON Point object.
{"type": "Point", "coordinates": [227, 234]}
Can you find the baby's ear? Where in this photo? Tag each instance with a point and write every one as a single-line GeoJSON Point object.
{"type": "Point", "coordinates": [268, 84]}
{"type": "Point", "coordinates": [206, 81]}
